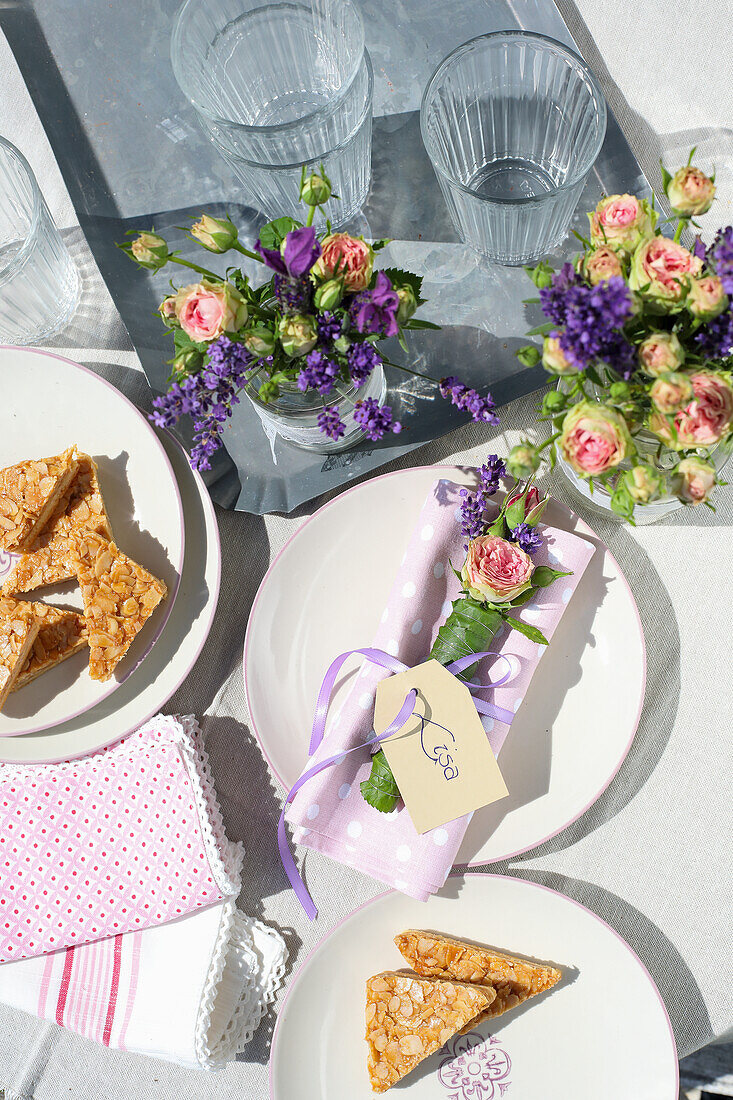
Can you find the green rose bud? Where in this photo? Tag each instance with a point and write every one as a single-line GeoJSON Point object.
{"type": "Point", "coordinates": [529, 355]}
{"type": "Point", "coordinates": [694, 480]}
{"type": "Point", "coordinates": [298, 334]}
{"type": "Point", "coordinates": [315, 190]}
{"type": "Point", "coordinates": [619, 392]}
{"type": "Point", "coordinates": [408, 303]}
{"type": "Point", "coordinates": [188, 361]}
{"type": "Point", "coordinates": [553, 402]}
{"type": "Point", "coordinates": [690, 192]}
{"type": "Point", "coordinates": [328, 295]}
{"type": "Point", "coordinates": [554, 358]}
{"type": "Point", "coordinates": [168, 309]}
{"type": "Point", "coordinates": [260, 341]}
{"type": "Point", "coordinates": [541, 275]}
{"type": "Point", "coordinates": [706, 298]}
{"type": "Point", "coordinates": [643, 483]}
{"type": "Point", "coordinates": [215, 234]}
{"type": "Point", "coordinates": [661, 352]}
{"type": "Point", "coordinates": [523, 461]}
{"type": "Point", "coordinates": [149, 250]}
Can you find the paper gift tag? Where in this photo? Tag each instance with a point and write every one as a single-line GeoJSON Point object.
{"type": "Point", "coordinates": [441, 758]}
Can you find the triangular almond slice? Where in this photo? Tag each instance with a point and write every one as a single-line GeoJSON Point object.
{"type": "Point", "coordinates": [18, 631]}
{"type": "Point", "coordinates": [48, 560]}
{"type": "Point", "coordinates": [513, 979]}
{"type": "Point", "coordinates": [408, 1018]}
{"type": "Point", "coordinates": [29, 494]}
{"type": "Point", "coordinates": [61, 633]}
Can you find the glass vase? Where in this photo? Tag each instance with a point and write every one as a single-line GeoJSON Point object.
{"type": "Point", "coordinates": [293, 416]}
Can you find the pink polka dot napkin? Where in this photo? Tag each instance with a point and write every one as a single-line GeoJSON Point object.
{"type": "Point", "coordinates": [119, 841]}
{"type": "Point", "coordinates": [328, 812]}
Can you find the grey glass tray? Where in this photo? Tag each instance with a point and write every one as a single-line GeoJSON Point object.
{"type": "Point", "coordinates": [133, 156]}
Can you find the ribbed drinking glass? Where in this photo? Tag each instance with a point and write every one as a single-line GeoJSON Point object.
{"type": "Point", "coordinates": [39, 283]}
{"type": "Point", "coordinates": [277, 86]}
{"type": "Point", "coordinates": [512, 122]}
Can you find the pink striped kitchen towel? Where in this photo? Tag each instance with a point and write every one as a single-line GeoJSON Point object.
{"type": "Point", "coordinates": [117, 902]}
{"type": "Point", "coordinates": [328, 812]}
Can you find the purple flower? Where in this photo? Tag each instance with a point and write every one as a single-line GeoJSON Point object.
{"type": "Point", "coordinates": [319, 373]}
{"type": "Point", "coordinates": [480, 408]}
{"type": "Point", "coordinates": [330, 327]}
{"type": "Point", "coordinates": [715, 339]}
{"type": "Point", "coordinates": [375, 420]}
{"type": "Point", "coordinates": [362, 359]}
{"type": "Point", "coordinates": [294, 295]}
{"type": "Point", "coordinates": [331, 423]}
{"type": "Point", "coordinates": [528, 538]}
{"type": "Point", "coordinates": [376, 310]}
{"type": "Point", "coordinates": [593, 317]}
{"type": "Point", "coordinates": [720, 257]}
{"type": "Point", "coordinates": [552, 297]}
{"type": "Point", "coordinates": [301, 250]}
{"type": "Point", "coordinates": [472, 509]}
{"type": "Point", "coordinates": [490, 474]}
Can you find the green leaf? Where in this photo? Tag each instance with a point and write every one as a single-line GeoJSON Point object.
{"type": "Point", "coordinates": [498, 527]}
{"type": "Point", "coordinates": [544, 576]}
{"type": "Point", "coordinates": [381, 243]}
{"type": "Point", "coordinates": [541, 275]}
{"type": "Point", "coordinates": [468, 629]}
{"type": "Point", "coordinates": [542, 330]}
{"type": "Point", "coordinates": [666, 177]}
{"type": "Point", "coordinates": [523, 597]}
{"type": "Point", "coordinates": [533, 518]}
{"type": "Point", "coordinates": [514, 514]}
{"type": "Point", "coordinates": [380, 790]}
{"type": "Point", "coordinates": [416, 322]}
{"type": "Point", "coordinates": [398, 277]}
{"type": "Point", "coordinates": [274, 233]}
{"type": "Point", "coordinates": [530, 632]}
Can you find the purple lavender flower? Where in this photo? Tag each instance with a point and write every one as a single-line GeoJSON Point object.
{"type": "Point", "coordinates": [528, 538]}
{"type": "Point", "coordinates": [362, 359]}
{"type": "Point", "coordinates": [319, 373]}
{"type": "Point", "coordinates": [480, 408]}
{"type": "Point", "coordinates": [490, 474]}
{"type": "Point", "coordinates": [300, 251]}
{"type": "Point", "coordinates": [473, 507]}
{"type": "Point", "coordinates": [376, 310]}
{"type": "Point", "coordinates": [593, 317]}
{"type": "Point", "coordinates": [720, 257]}
{"type": "Point", "coordinates": [330, 327]}
{"type": "Point", "coordinates": [294, 295]}
{"type": "Point", "coordinates": [331, 423]}
{"type": "Point", "coordinates": [715, 339]}
{"type": "Point", "coordinates": [553, 296]}
{"type": "Point", "coordinates": [375, 420]}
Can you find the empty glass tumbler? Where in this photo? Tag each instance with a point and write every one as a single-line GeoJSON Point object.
{"type": "Point", "coordinates": [512, 122]}
{"type": "Point", "coordinates": [277, 86]}
{"type": "Point", "coordinates": [39, 283]}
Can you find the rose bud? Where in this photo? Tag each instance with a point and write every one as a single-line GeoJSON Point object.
{"type": "Point", "coordinates": [215, 234]}
{"type": "Point", "coordinates": [661, 271]}
{"type": "Point", "coordinates": [495, 570]}
{"type": "Point", "coordinates": [669, 392]}
{"type": "Point", "coordinates": [150, 251]}
{"type": "Point", "coordinates": [523, 460]}
{"type": "Point", "coordinates": [621, 222]}
{"type": "Point", "coordinates": [188, 361]}
{"type": "Point", "coordinates": [694, 480]}
{"type": "Point", "coordinates": [531, 497]}
{"type": "Point", "coordinates": [168, 309]}
{"type": "Point", "coordinates": [661, 352]}
{"type": "Point", "coordinates": [619, 392]}
{"type": "Point", "coordinates": [705, 420]}
{"type": "Point", "coordinates": [706, 298]}
{"type": "Point", "coordinates": [553, 402]}
{"type": "Point", "coordinates": [643, 483]}
{"type": "Point", "coordinates": [298, 334]}
{"type": "Point", "coordinates": [594, 438]}
{"type": "Point", "coordinates": [553, 357]}
{"type": "Point", "coordinates": [260, 341]}
{"type": "Point", "coordinates": [600, 264]}
{"type": "Point", "coordinates": [351, 258]}
{"type": "Point", "coordinates": [408, 303]}
{"type": "Point", "coordinates": [328, 295]}
{"type": "Point", "coordinates": [206, 310]}
{"type": "Point", "coordinates": [690, 192]}
{"type": "Point", "coordinates": [315, 190]}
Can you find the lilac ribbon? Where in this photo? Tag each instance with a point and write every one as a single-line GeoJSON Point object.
{"type": "Point", "coordinates": [393, 665]}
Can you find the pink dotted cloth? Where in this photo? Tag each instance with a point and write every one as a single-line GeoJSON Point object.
{"type": "Point", "coordinates": [121, 840]}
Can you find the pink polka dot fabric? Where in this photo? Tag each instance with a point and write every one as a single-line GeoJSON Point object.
{"type": "Point", "coordinates": [117, 842]}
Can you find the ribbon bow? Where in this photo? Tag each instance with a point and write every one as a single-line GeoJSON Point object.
{"type": "Point", "coordinates": [323, 702]}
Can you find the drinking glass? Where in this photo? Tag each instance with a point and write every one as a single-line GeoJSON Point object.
{"type": "Point", "coordinates": [512, 122]}
{"type": "Point", "coordinates": [279, 85]}
{"type": "Point", "coordinates": [39, 283]}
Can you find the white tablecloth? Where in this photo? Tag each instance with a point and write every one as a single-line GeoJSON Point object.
{"type": "Point", "coordinates": [648, 857]}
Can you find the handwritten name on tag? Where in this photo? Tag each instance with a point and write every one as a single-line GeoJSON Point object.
{"type": "Point", "coordinates": [441, 758]}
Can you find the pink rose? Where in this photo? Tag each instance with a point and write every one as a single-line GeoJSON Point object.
{"type": "Point", "coordinates": [690, 191]}
{"type": "Point", "coordinates": [554, 358]}
{"type": "Point", "coordinates": [620, 222]}
{"type": "Point", "coordinates": [706, 298]}
{"type": "Point", "coordinates": [600, 264]}
{"type": "Point", "coordinates": [694, 480]}
{"type": "Point", "coordinates": [349, 258]}
{"type": "Point", "coordinates": [207, 310]}
{"type": "Point", "coordinates": [660, 272]}
{"type": "Point", "coordinates": [594, 438]}
{"type": "Point", "coordinates": [496, 570]}
{"type": "Point", "coordinates": [661, 352]}
{"type": "Point", "coordinates": [669, 392]}
{"type": "Point", "coordinates": [707, 419]}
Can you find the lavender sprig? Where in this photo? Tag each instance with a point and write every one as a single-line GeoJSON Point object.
{"type": "Point", "coordinates": [529, 538]}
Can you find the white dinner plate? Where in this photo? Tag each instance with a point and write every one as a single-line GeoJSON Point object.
{"type": "Point", "coordinates": [602, 1033]}
{"type": "Point", "coordinates": [166, 667]}
{"type": "Point", "coordinates": [324, 595]}
{"type": "Point", "coordinates": [50, 403]}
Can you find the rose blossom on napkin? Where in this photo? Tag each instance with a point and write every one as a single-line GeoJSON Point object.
{"type": "Point", "coordinates": [328, 812]}
{"type": "Point", "coordinates": [100, 859]}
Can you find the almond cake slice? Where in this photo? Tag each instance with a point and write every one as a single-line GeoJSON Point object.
{"type": "Point", "coordinates": [48, 560]}
{"type": "Point", "coordinates": [119, 597]}
{"type": "Point", "coordinates": [29, 494]}
{"type": "Point", "coordinates": [18, 631]}
{"type": "Point", "coordinates": [61, 633]}
{"type": "Point", "coordinates": [513, 980]}
{"type": "Point", "coordinates": [409, 1017]}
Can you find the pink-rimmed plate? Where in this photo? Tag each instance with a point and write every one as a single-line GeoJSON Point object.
{"type": "Point", "coordinates": [324, 594]}
{"type": "Point", "coordinates": [602, 1032]}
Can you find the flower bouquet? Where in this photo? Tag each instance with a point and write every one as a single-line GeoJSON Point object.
{"type": "Point", "coordinates": [312, 328]}
{"type": "Point", "coordinates": [640, 336]}
{"type": "Point", "coordinates": [497, 576]}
